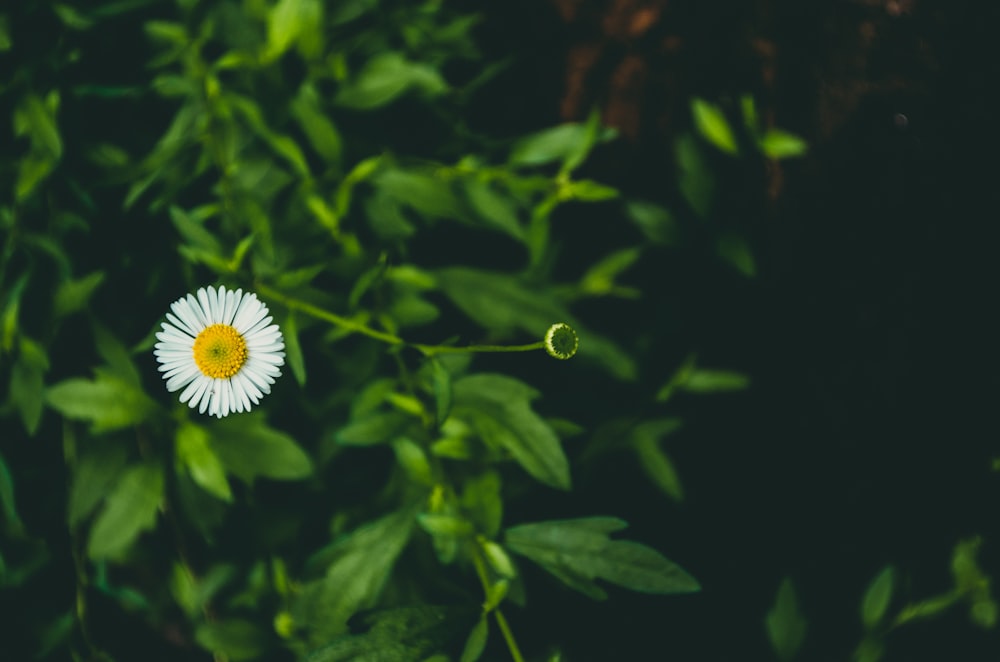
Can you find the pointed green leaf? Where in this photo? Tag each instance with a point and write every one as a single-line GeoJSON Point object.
{"type": "Point", "coordinates": [357, 567]}
{"type": "Point", "coordinates": [293, 350]}
{"type": "Point", "coordinates": [236, 639]}
{"type": "Point", "coordinates": [714, 381]}
{"type": "Point", "coordinates": [712, 124]}
{"type": "Point", "coordinates": [27, 385]}
{"type": "Point", "coordinates": [476, 643]}
{"type": "Point", "coordinates": [97, 470]}
{"type": "Point", "coordinates": [580, 549]}
{"type": "Point", "coordinates": [130, 509]}
{"type": "Point", "coordinates": [877, 597]}
{"type": "Point", "coordinates": [74, 295]}
{"type": "Point", "coordinates": [778, 144]}
{"type": "Point", "coordinates": [387, 76]}
{"type": "Point", "coordinates": [499, 408]}
{"type": "Point", "coordinates": [786, 626]}
{"type": "Point", "coordinates": [107, 402]}
{"type": "Point", "coordinates": [378, 428]}
{"type": "Point", "coordinates": [195, 453]}
{"type": "Point", "coordinates": [14, 525]}
{"type": "Point", "coordinates": [248, 448]}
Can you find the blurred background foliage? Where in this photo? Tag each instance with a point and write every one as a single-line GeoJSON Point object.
{"type": "Point", "coordinates": [396, 179]}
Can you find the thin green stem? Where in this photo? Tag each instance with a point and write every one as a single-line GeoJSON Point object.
{"type": "Point", "coordinates": [357, 327]}
{"type": "Point", "coordinates": [431, 350]}
{"type": "Point", "coordinates": [508, 634]}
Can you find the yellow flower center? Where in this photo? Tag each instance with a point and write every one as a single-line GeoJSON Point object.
{"type": "Point", "coordinates": [220, 351]}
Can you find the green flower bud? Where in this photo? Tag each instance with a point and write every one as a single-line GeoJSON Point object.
{"type": "Point", "coordinates": [561, 341]}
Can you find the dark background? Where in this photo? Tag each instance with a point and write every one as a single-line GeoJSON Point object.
{"type": "Point", "coordinates": [867, 436]}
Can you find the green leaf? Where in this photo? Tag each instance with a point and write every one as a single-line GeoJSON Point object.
{"type": "Point", "coordinates": [499, 211]}
{"type": "Point", "coordinates": [115, 354]}
{"type": "Point", "coordinates": [657, 465]}
{"type": "Point", "coordinates": [482, 503]}
{"type": "Point", "coordinates": [318, 127]}
{"type": "Point", "coordinates": [74, 295]}
{"type": "Point", "coordinates": [387, 76]}
{"type": "Point", "coordinates": [600, 278]}
{"type": "Point", "coordinates": [714, 381]}
{"type": "Point", "coordinates": [403, 634]}
{"type": "Point", "coordinates": [357, 567]}
{"type": "Point", "coordinates": [655, 222]}
{"type": "Point", "coordinates": [778, 144]}
{"type": "Point", "coordinates": [378, 428]}
{"type": "Point", "coordinates": [107, 402]}
{"type": "Point", "coordinates": [14, 525]}
{"type": "Point", "coordinates": [27, 383]}
{"type": "Point", "coordinates": [500, 410]}
{"type": "Point", "coordinates": [293, 350]}
{"type": "Point", "coordinates": [786, 626]}
{"type": "Point", "coordinates": [587, 190]}
{"type": "Point", "coordinates": [736, 251]}
{"type": "Point", "coordinates": [877, 597]}
{"type": "Point", "coordinates": [712, 124]}
{"type": "Point", "coordinates": [430, 196]}
{"type": "Point", "coordinates": [500, 302]}
{"type": "Point", "coordinates": [441, 384]}
{"type": "Point", "coordinates": [195, 453]}
{"type": "Point", "coordinates": [236, 639]}
{"type": "Point", "coordinates": [98, 469]}
{"type": "Point", "coordinates": [476, 643]}
{"type": "Point", "coordinates": [291, 21]}
{"type": "Point", "coordinates": [438, 524]}
{"type": "Point", "coordinates": [579, 551]}
{"type": "Point", "coordinates": [560, 143]}
{"type": "Point", "coordinates": [248, 448]}
{"type": "Point", "coordinates": [130, 509]}
{"type": "Point", "coordinates": [696, 182]}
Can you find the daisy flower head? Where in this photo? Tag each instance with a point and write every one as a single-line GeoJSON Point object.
{"type": "Point", "coordinates": [222, 347]}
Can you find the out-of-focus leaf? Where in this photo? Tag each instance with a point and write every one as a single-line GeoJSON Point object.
{"type": "Point", "coordinates": [5, 41]}
{"type": "Point", "coordinates": [430, 196]}
{"type": "Point", "coordinates": [696, 182]}
{"type": "Point", "coordinates": [500, 410]}
{"type": "Point", "coordinates": [786, 626]}
{"type": "Point", "coordinates": [476, 643]}
{"type": "Point", "coordinates": [778, 144]}
{"type": "Point", "coordinates": [72, 18]}
{"type": "Point", "coordinates": [587, 190]}
{"type": "Point", "coordinates": [348, 10]}
{"type": "Point", "coordinates": [27, 383]}
{"type": "Point", "coordinates": [320, 129]}
{"type": "Point", "coordinates": [500, 302]}
{"type": "Point", "coordinates": [387, 76]}
{"type": "Point", "coordinates": [97, 470]}
{"type": "Point", "coordinates": [290, 22]}
{"type": "Point", "coordinates": [712, 124]}
{"type": "Point", "coordinates": [877, 597]}
{"type": "Point", "coordinates": [14, 525]}
{"type": "Point", "coordinates": [482, 503]}
{"type": "Point", "coordinates": [581, 550]}
{"type": "Point", "coordinates": [107, 402]}
{"type": "Point", "coordinates": [193, 451]}
{"type": "Point", "coordinates": [559, 143]}
{"type": "Point", "coordinates": [378, 428]}
{"type": "Point", "coordinates": [130, 509]}
{"type": "Point", "coordinates": [412, 458]}
{"type": "Point", "coordinates": [357, 567]}
{"type": "Point", "coordinates": [600, 278]}
{"type": "Point", "coordinates": [235, 638]}
{"type": "Point", "coordinates": [497, 209]}
{"type": "Point", "coordinates": [736, 251]}
{"type": "Point", "coordinates": [657, 464]}
{"type": "Point", "coordinates": [74, 295]}
{"type": "Point", "coordinates": [116, 355]}
{"type": "Point", "coordinates": [441, 384]}
{"type": "Point", "coordinates": [655, 222]}
{"type": "Point", "coordinates": [248, 448]}
{"type": "Point", "coordinates": [404, 634]}
{"type": "Point", "coordinates": [714, 381]}
{"type": "Point", "coordinates": [293, 350]}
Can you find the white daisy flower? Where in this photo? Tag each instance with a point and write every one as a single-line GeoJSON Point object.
{"type": "Point", "coordinates": [223, 348]}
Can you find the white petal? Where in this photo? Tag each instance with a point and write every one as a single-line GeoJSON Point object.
{"type": "Point", "coordinates": [195, 390]}
{"type": "Point", "coordinates": [182, 378]}
{"type": "Point", "coordinates": [230, 307]}
{"type": "Point", "coordinates": [182, 321]}
{"type": "Point", "coordinates": [248, 313]}
{"type": "Point", "coordinates": [248, 387]}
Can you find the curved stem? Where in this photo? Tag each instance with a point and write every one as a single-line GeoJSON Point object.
{"type": "Point", "coordinates": [508, 634]}
{"type": "Point", "coordinates": [357, 327]}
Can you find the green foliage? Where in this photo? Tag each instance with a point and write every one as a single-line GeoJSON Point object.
{"type": "Point", "coordinates": [579, 551]}
{"type": "Point", "coordinates": [786, 626]}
